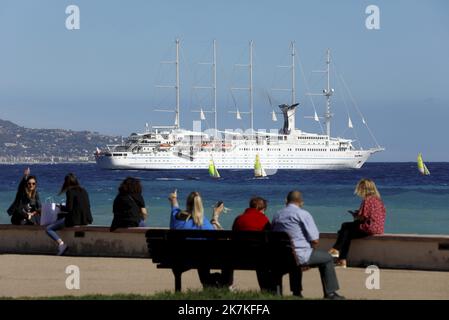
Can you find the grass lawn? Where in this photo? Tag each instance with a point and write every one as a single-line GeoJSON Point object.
{"type": "Point", "coordinates": [208, 294]}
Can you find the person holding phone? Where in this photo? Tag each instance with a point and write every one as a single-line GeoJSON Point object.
{"type": "Point", "coordinates": [192, 218]}
{"type": "Point", "coordinates": [368, 220]}
{"type": "Point", "coordinates": [219, 208]}
{"type": "Point", "coordinates": [26, 208]}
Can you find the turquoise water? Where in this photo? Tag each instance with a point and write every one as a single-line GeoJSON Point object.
{"type": "Point", "coordinates": [415, 204]}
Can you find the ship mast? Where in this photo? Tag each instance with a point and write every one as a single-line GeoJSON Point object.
{"type": "Point", "coordinates": [250, 88]}
{"type": "Point", "coordinates": [177, 89]}
{"type": "Point", "coordinates": [251, 103]}
{"type": "Point", "coordinates": [293, 73]}
{"type": "Point", "coordinates": [289, 113]}
{"type": "Point", "coordinates": [328, 93]}
{"type": "Point", "coordinates": [212, 87]}
{"type": "Point", "coordinates": [292, 68]}
{"type": "Point", "coordinates": [177, 86]}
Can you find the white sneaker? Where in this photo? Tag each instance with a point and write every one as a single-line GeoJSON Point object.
{"type": "Point", "coordinates": [334, 253]}
{"type": "Point", "coordinates": [62, 249]}
{"type": "Point", "coordinates": [340, 263]}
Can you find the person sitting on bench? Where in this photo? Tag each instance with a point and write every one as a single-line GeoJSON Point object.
{"type": "Point", "coordinates": [193, 218]}
{"type": "Point", "coordinates": [301, 228]}
{"type": "Point", "coordinates": [129, 206]}
{"type": "Point", "coordinates": [254, 219]}
{"type": "Point", "coordinates": [76, 211]}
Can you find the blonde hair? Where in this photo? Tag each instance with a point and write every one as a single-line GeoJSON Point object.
{"type": "Point", "coordinates": [31, 194]}
{"type": "Point", "coordinates": [194, 206]}
{"type": "Point", "coordinates": [365, 188]}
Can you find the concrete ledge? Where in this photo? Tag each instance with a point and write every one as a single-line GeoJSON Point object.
{"type": "Point", "coordinates": [88, 241]}
{"type": "Point", "coordinates": [396, 251]}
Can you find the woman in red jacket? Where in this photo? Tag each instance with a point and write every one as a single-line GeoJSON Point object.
{"type": "Point", "coordinates": [368, 220]}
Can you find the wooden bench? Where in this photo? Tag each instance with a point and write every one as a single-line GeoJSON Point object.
{"type": "Point", "coordinates": [182, 250]}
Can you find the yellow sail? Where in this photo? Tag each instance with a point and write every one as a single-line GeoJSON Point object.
{"type": "Point", "coordinates": [258, 170]}
{"type": "Point", "coordinates": [422, 166]}
{"type": "Point", "coordinates": [213, 172]}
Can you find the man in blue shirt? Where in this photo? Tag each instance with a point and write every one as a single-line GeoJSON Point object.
{"type": "Point", "coordinates": [301, 228]}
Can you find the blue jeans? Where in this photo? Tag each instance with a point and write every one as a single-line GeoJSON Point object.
{"type": "Point", "coordinates": [58, 225]}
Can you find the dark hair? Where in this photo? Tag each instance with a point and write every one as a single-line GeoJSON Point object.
{"type": "Point", "coordinates": [258, 203]}
{"type": "Point", "coordinates": [130, 186]}
{"type": "Point", "coordinates": [295, 196]}
{"type": "Point", "coordinates": [70, 182]}
{"type": "Point", "coordinates": [31, 177]}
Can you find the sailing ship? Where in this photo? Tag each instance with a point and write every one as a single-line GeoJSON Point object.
{"type": "Point", "coordinates": [171, 147]}
{"type": "Point", "coordinates": [259, 171]}
{"type": "Point", "coordinates": [422, 168]}
{"type": "Point", "coordinates": [213, 172]}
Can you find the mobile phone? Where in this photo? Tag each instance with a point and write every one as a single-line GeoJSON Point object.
{"type": "Point", "coordinates": [219, 203]}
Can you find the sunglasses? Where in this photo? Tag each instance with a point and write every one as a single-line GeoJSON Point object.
{"type": "Point", "coordinates": [31, 183]}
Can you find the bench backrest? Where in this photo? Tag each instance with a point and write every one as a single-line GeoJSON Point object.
{"type": "Point", "coordinates": [244, 250]}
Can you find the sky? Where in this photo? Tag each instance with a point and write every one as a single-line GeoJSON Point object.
{"type": "Point", "coordinates": [103, 76]}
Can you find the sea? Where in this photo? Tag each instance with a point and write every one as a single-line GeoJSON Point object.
{"type": "Point", "coordinates": [415, 204]}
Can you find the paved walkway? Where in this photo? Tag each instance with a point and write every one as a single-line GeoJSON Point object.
{"type": "Point", "coordinates": [37, 276]}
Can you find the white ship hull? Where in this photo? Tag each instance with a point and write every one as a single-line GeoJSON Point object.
{"type": "Point", "coordinates": [173, 148]}
{"type": "Point", "coordinates": [234, 160]}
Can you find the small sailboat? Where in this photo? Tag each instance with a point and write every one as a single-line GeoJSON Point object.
{"type": "Point", "coordinates": [259, 172]}
{"type": "Point", "coordinates": [422, 166]}
{"type": "Point", "coordinates": [273, 116]}
{"type": "Point", "coordinates": [213, 172]}
{"type": "Point", "coordinates": [237, 115]}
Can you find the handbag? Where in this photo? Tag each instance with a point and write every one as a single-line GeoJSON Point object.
{"type": "Point", "coordinates": [49, 212]}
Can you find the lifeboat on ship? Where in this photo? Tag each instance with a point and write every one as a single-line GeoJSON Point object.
{"type": "Point", "coordinates": [206, 146]}
{"type": "Point", "coordinates": [164, 146]}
